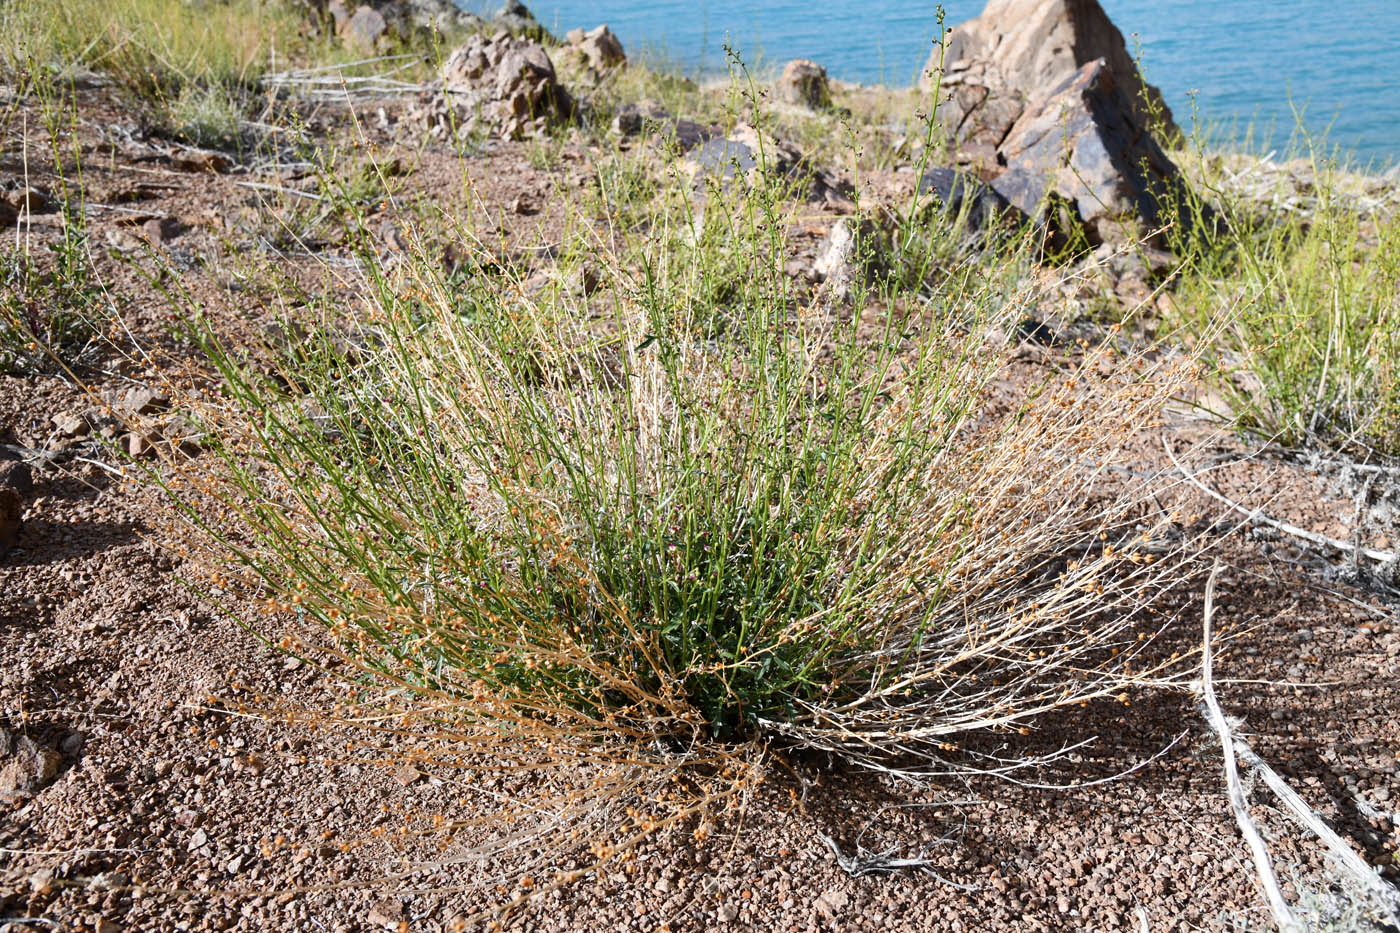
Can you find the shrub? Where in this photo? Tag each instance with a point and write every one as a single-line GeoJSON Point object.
{"type": "Point", "coordinates": [654, 535]}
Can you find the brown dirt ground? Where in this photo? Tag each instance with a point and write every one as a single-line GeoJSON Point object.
{"type": "Point", "coordinates": [168, 812]}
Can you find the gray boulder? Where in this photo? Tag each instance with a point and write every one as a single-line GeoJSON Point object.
{"type": "Point", "coordinates": [1084, 147]}
{"type": "Point", "coordinates": [964, 196]}
{"type": "Point", "coordinates": [1016, 52]}
{"type": "Point", "coordinates": [434, 15]}
{"type": "Point", "coordinates": [363, 29]}
{"type": "Point", "coordinates": [745, 153]}
{"type": "Point", "coordinates": [598, 48]}
{"type": "Point", "coordinates": [516, 17]}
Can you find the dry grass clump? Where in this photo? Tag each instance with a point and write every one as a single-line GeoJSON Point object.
{"type": "Point", "coordinates": [657, 537]}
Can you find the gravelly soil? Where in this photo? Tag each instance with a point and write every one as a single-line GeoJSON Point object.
{"type": "Point", "coordinates": [167, 810]}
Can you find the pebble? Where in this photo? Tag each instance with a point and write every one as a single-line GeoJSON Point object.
{"type": "Point", "coordinates": [70, 425]}
{"type": "Point", "coordinates": [141, 400]}
{"type": "Point", "coordinates": [137, 445]}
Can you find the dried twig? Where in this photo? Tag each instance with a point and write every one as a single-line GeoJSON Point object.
{"type": "Point", "coordinates": [1283, 915]}
{"type": "Point", "coordinates": [1312, 537]}
{"type": "Point", "coordinates": [1354, 865]}
{"type": "Point", "coordinates": [1385, 896]}
{"type": "Point", "coordinates": [278, 189]}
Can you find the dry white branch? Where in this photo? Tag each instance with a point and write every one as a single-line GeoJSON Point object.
{"type": "Point", "coordinates": [1312, 537]}
{"type": "Point", "coordinates": [1385, 894]}
{"type": "Point", "coordinates": [1283, 915]}
{"type": "Point", "coordinates": [278, 189]}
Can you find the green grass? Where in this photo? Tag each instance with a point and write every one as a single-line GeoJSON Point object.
{"type": "Point", "coordinates": [697, 508]}
{"type": "Point", "coordinates": [193, 69]}
{"type": "Point", "coordinates": [1306, 277]}
{"type": "Point", "coordinates": [54, 311]}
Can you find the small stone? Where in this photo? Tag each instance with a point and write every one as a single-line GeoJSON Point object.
{"type": "Point", "coordinates": [254, 763]}
{"type": "Point", "coordinates": [1382, 794]}
{"type": "Point", "coordinates": [193, 161]}
{"type": "Point", "coordinates": [199, 840]}
{"type": "Point", "coordinates": [123, 241]}
{"type": "Point", "coordinates": [41, 882]}
{"type": "Point", "coordinates": [663, 886]}
{"type": "Point", "coordinates": [141, 400]}
{"type": "Point", "coordinates": [71, 425]}
{"type": "Point", "coordinates": [386, 914]}
{"type": "Point", "coordinates": [28, 769]}
{"type": "Point", "coordinates": [137, 445]}
{"type": "Point", "coordinates": [407, 775]}
{"type": "Point", "coordinates": [363, 30]}
{"type": "Point", "coordinates": [727, 914]}
{"type": "Point", "coordinates": [1302, 636]}
{"type": "Point", "coordinates": [159, 230]}
{"type": "Point", "coordinates": [832, 902]}
{"type": "Point", "coordinates": [110, 881]}
{"type": "Point", "coordinates": [30, 201]}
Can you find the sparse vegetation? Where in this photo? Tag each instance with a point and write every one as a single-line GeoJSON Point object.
{"type": "Point", "coordinates": [629, 500]}
{"type": "Point", "coordinates": [699, 515]}
{"type": "Point", "coordinates": [52, 308]}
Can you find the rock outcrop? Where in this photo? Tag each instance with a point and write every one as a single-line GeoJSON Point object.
{"type": "Point", "coordinates": [363, 29]}
{"type": "Point", "coordinates": [1083, 146]}
{"type": "Point", "coordinates": [436, 15]}
{"type": "Point", "coordinates": [1042, 100]}
{"type": "Point", "coordinates": [516, 17]}
{"type": "Point", "coordinates": [506, 83]}
{"type": "Point", "coordinates": [369, 26]}
{"type": "Point", "coordinates": [804, 84]}
{"type": "Point", "coordinates": [998, 64]}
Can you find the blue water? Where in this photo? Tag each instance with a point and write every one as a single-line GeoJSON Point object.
{"type": "Point", "coordinates": [1243, 62]}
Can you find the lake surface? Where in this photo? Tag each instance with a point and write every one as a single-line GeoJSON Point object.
{"type": "Point", "coordinates": [1243, 62]}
